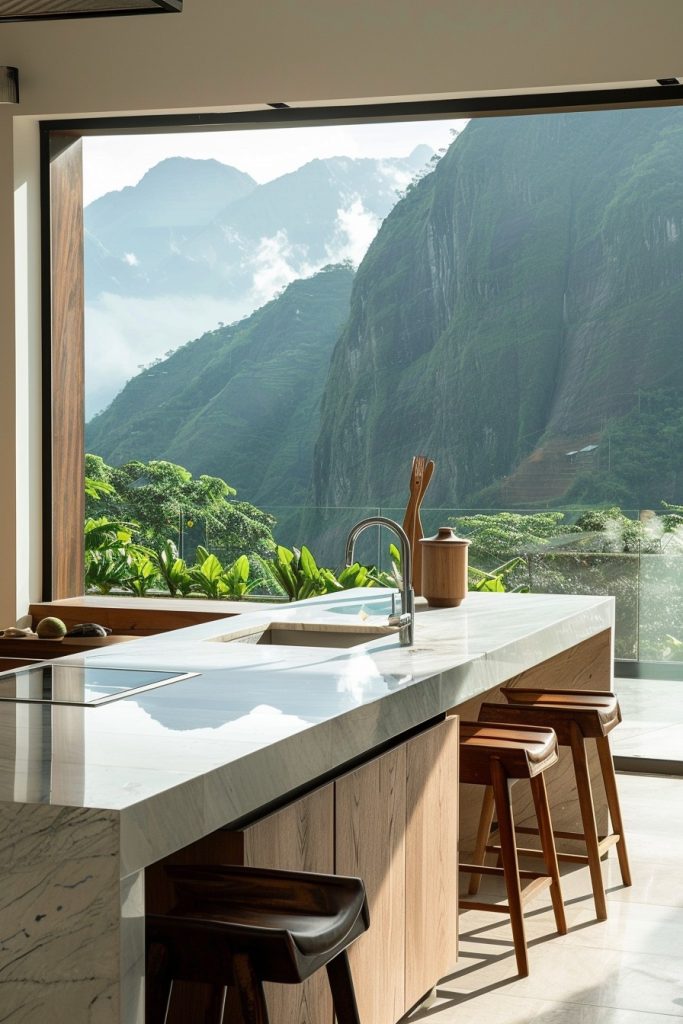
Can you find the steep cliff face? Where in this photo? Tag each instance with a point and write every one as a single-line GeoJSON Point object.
{"type": "Point", "coordinates": [526, 290]}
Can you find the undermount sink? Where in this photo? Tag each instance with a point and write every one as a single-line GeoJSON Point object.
{"type": "Point", "coordinates": [310, 634]}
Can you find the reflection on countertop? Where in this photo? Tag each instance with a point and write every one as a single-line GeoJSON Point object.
{"type": "Point", "coordinates": [259, 721]}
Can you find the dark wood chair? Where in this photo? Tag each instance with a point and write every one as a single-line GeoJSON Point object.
{"type": "Point", "coordinates": [576, 716]}
{"type": "Point", "coordinates": [495, 756]}
{"type": "Point", "coordinates": [238, 927]}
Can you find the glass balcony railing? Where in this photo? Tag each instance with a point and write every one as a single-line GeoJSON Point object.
{"type": "Point", "coordinates": [646, 580]}
{"type": "Point", "coordinates": [641, 568]}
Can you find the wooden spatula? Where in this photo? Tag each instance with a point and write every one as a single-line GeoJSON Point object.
{"type": "Point", "coordinates": [416, 474]}
{"type": "Point", "coordinates": [418, 532]}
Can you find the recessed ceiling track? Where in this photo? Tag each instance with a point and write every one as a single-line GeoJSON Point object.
{"type": "Point", "coordinates": [40, 10]}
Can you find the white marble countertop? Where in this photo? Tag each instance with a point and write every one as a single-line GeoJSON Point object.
{"type": "Point", "coordinates": [260, 722]}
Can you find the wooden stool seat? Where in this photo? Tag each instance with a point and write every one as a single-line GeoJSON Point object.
{"type": "Point", "coordinates": [595, 712]}
{"type": "Point", "coordinates": [576, 716]}
{"type": "Point", "coordinates": [524, 752]}
{"type": "Point", "coordinates": [236, 926]}
{"type": "Point", "coordinates": [495, 756]}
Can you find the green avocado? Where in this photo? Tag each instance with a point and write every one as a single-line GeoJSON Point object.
{"type": "Point", "coordinates": [50, 629]}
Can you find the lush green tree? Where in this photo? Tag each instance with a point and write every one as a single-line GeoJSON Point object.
{"type": "Point", "coordinates": [497, 536]}
{"type": "Point", "coordinates": [165, 501]}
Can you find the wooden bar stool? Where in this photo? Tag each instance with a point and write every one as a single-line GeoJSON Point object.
{"type": "Point", "coordinates": [576, 716]}
{"type": "Point", "coordinates": [235, 926]}
{"type": "Point", "coordinates": [495, 756]}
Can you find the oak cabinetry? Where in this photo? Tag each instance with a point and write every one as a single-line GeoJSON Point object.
{"type": "Point", "coordinates": [370, 842]}
{"type": "Point", "coordinates": [397, 827]}
{"type": "Point", "coordinates": [432, 771]}
{"type": "Point", "coordinates": [393, 822]}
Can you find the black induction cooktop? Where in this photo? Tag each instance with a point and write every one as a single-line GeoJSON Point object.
{"type": "Point", "coordinates": [82, 686]}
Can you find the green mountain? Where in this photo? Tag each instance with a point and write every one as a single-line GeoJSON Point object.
{"type": "Point", "coordinates": [512, 311]}
{"type": "Point", "coordinates": [241, 402]}
{"type": "Point", "coordinates": [518, 318]}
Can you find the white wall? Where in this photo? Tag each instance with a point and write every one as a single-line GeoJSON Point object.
{"type": "Point", "coordinates": [221, 54]}
{"type": "Point", "coordinates": [234, 52]}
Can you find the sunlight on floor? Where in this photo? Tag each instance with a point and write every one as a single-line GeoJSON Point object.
{"type": "Point", "coordinates": [626, 970]}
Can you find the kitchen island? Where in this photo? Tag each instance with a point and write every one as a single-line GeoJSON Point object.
{"type": "Point", "coordinates": [93, 796]}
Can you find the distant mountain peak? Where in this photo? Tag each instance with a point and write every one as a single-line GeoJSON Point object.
{"type": "Point", "coordinates": [192, 170]}
{"type": "Point", "coordinates": [420, 154]}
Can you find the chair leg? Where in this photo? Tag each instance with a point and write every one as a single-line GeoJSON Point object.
{"type": "Point", "coordinates": [508, 848]}
{"type": "Point", "coordinates": [158, 984]}
{"type": "Point", "coordinates": [545, 832]}
{"type": "Point", "coordinates": [610, 781]}
{"type": "Point", "coordinates": [341, 985]}
{"type": "Point", "coordinates": [590, 830]}
{"type": "Point", "coordinates": [215, 1005]}
{"type": "Point", "coordinates": [483, 832]}
{"type": "Point", "coordinates": [250, 990]}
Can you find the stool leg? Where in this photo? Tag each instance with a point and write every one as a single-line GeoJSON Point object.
{"type": "Point", "coordinates": [590, 830]}
{"type": "Point", "coordinates": [343, 994]}
{"type": "Point", "coordinates": [250, 990]}
{"type": "Point", "coordinates": [508, 848]}
{"type": "Point", "coordinates": [545, 832]}
{"type": "Point", "coordinates": [610, 781]}
{"type": "Point", "coordinates": [483, 832]}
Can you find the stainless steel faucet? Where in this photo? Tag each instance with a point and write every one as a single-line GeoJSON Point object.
{"type": "Point", "coordinates": [406, 620]}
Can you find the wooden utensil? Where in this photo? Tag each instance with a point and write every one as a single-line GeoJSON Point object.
{"type": "Point", "coordinates": [416, 474]}
{"type": "Point", "coordinates": [418, 532]}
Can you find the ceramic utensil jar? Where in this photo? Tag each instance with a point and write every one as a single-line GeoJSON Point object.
{"type": "Point", "coordinates": [444, 568]}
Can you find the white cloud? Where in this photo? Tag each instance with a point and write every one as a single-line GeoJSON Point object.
{"type": "Point", "coordinates": [276, 264]}
{"type": "Point", "coordinates": [131, 259]}
{"type": "Point", "coordinates": [397, 178]}
{"type": "Point", "coordinates": [122, 333]}
{"type": "Point", "coordinates": [354, 231]}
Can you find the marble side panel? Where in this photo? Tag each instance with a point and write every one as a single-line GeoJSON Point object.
{"type": "Point", "coordinates": [59, 915]}
{"type": "Point", "coordinates": [133, 948]}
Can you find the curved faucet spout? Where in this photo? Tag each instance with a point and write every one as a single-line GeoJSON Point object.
{"type": "Point", "coordinates": [406, 621]}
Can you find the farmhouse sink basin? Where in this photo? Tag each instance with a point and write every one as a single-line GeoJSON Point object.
{"type": "Point", "coordinates": [309, 634]}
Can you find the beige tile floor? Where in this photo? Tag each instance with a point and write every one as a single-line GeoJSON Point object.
{"type": "Point", "coordinates": [652, 710]}
{"type": "Point", "coordinates": [626, 970]}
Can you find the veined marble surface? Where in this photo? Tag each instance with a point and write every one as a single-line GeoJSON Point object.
{"type": "Point", "coordinates": [178, 762]}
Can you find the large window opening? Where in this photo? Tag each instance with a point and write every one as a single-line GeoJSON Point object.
{"type": "Point", "coordinates": [276, 322]}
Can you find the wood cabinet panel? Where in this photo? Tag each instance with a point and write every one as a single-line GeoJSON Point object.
{"type": "Point", "coordinates": [431, 858]}
{"type": "Point", "coordinates": [138, 616]}
{"type": "Point", "coordinates": [299, 837]}
{"type": "Point", "coordinates": [67, 371]}
{"type": "Point", "coordinates": [370, 842]}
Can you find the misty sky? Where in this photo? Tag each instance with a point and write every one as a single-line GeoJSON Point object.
{"type": "Point", "coordinates": [112, 162]}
